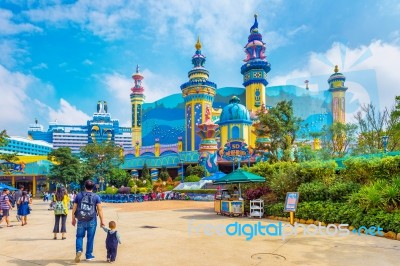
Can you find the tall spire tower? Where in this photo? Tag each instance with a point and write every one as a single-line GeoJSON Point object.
{"type": "Point", "coordinates": [137, 99]}
{"type": "Point", "coordinates": [338, 90]}
{"type": "Point", "coordinates": [198, 94]}
{"type": "Point", "coordinates": [255, 72]}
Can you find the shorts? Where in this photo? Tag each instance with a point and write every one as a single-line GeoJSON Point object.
{"type": "Point", "coordinates": [6, 212]}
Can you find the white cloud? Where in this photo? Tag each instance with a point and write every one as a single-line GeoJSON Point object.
{"type": "Point", "coordinates": [118, 86]}
{"type": "Point", "coordinates": [219, 24]}
{"type": "Point", "coordinates": [9, 27]}
{"type": "Point", "coordinates": [380, 59]}
{"type": "Point", "coordinates": [106, 19]}
{"type": "Point", "coordinates": [13, 91]}
{"type": "Point", "coordinates": [300, 29]}
{"type": "Point", "coordinates": [41, 66]}
{"type": "Point", "coordinates": [19, 105]}
{"type": "Point", "coordinates": [68, 114]}
{"type": "Point", "coordinates": [11, 53]}
{"type": "Point", "coordinates": [156, 86]}
{"type": "Point", "coordinates": [87, 62]}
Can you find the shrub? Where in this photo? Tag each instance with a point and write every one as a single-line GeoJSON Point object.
{"type": "Point", "coordinates": [339, 191]}
{"type": "Point", "coordinates": [381, 194]}
{"type": "Point", "coordinates": [197, 191]}
{"type": "Point", "coordinates": [192, 178]}
{"type": "Point", "coordinates": [317, 170]}
{"type": "Point", "coordinates": [331, 212]}
{"type": "Point", "coordinates": [313, 191]}
{"type": "Point", "coordinates": [111, 190]}
{"type": "Point", "coordinates": [256, 193]}
{"type": "Point", "coordinates": [284, 179]}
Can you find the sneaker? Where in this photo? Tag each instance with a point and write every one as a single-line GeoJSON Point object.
{"type": "Point", "coordinates": [78, 256]}
{"type": "Point", "coordinates": [90, 258]}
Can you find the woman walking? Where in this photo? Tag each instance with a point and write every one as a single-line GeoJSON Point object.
{"type": "Point", "coordinates": [61, 205]}
{"type": "Point", "coordinates": [23, 207]}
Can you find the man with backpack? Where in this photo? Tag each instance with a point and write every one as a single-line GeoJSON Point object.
{"type": "Point", "coordinates": [87, 205]}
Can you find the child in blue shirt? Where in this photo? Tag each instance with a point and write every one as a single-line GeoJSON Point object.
{"type": "Point", "coordinates": [112, 241]}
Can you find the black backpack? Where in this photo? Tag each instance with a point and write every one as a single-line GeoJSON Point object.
{"type": "Point", "coordinates": [86, 209]}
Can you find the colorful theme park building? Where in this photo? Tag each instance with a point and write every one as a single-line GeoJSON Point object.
{"type": "Point", "coordinates": [198, 125]}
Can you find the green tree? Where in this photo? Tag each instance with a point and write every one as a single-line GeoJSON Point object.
{"type": "Point", "coordinates": [118, 177]}
{"type": "Point", "coordinates": [100, 158]}
{"type": "Point", "coordinates": [197, 170]}
{"type": "Point", "coordinates": [305, 152]}
{"type": "Point", "coordinates": [145, 172]}
{"type": "Point", "coordinates": [10, 158]}
{"type": "Point", "coordinates": [372, 125]}
{"type": "Point", "coordinates": [280, 125]}
{"type": "Point", "coordinates": [393, 129]}
{"type": "Point", "coordinates": [66, 167]}
{"type": "Point", "coordinates": [163, 174]}
{"type": "Point", "coordinates": [3, 138]}
{"type": "Point", "coordinates": [338, 138]}
{"type": "Point", "coordinates": [188, 171]}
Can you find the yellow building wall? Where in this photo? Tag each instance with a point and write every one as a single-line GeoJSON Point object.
{"type": "Point", "coordinates": [250, 96]}
{"type": "Point", "coordinates": [136, 131]}
{"type": "Point", "coordinates": [204, 104]}
{"type": "Point", "coordinates": [341, 108]}
{"type": "Point", "coordinates": [223, 135]}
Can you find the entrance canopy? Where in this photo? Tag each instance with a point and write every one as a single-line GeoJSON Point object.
{"type": "Point", "coordinates": [3, 186]}
{"type": "Point", "coordinates": [239, 176]}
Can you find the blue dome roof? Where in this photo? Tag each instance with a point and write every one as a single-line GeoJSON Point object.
{"type": "Point", "coordinates": [234, 112]}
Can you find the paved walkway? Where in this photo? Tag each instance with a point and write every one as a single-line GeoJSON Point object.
{"type": "Point", "coordinates": [157, 233]}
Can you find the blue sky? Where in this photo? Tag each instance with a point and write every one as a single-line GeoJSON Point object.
{"type": "Point", "coordinates": [58, 58]}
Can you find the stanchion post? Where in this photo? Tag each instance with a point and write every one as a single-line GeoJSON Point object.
{"type": "Point", "coordinates": [292, 218]}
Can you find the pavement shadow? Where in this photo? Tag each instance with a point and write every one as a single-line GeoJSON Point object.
{"type": "Point", "coordinates": [52, 262]}
{"type": "Point", "coordinates": [42, 262]}
{"type": "Point", "coordinates": [31, 239]}
{"type": "Point", "coordinates": [211, 216]}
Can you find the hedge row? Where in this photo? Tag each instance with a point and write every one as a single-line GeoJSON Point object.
{"type": "Point", "coordinates": [342, 213]}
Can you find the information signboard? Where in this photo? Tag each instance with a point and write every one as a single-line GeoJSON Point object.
{"type": "Point", "coordinates": [292, 198]}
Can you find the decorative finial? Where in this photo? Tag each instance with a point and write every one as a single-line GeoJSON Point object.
{"type": "Point", "coordinates": [336, 69]}
{"type": "Point", "coordinates": [137, 68]}
{"type": "Point", "coordinates": [234, 99]}
{"type": "Point", "coordinates": [255, 25]}
{"type": "Point", "coordinates": [198, 44]}
{"type": "Point", "coordinates": [306, 82]}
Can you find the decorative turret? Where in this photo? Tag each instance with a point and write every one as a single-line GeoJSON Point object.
{"type": "Point", "coordinates": [254, 72]}
{"type": "Point", "coordinates": [198, 94]}
{"type": "Point", "coordinates": [338, 90]}
{"type": "Point", "coordinates": [137, 99]}
{"type": "Point", "coordinates": [234, 122]}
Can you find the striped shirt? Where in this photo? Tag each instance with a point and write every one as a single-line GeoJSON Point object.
{"type": "Point", "coordinates": [3, 202]}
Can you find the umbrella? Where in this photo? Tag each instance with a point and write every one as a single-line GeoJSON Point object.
{"type": "Point", "coordinates": [3, 186]}
{"type": "Point", "coordinates": [239, 176]}
{"type": "Point", "coordinates": [214, 176]}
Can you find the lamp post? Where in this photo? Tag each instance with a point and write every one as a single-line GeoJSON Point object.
{"type": "Point", "coordinates": [182, 180]}
{"type": "Point", "coordinates": [235, 160]}
{"type": "Point", "coordinates": [101, 156]}
{"type": "Point", "coordinates": [385, 140]}
{"type": "Point", "coordinates": [101, 183]}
